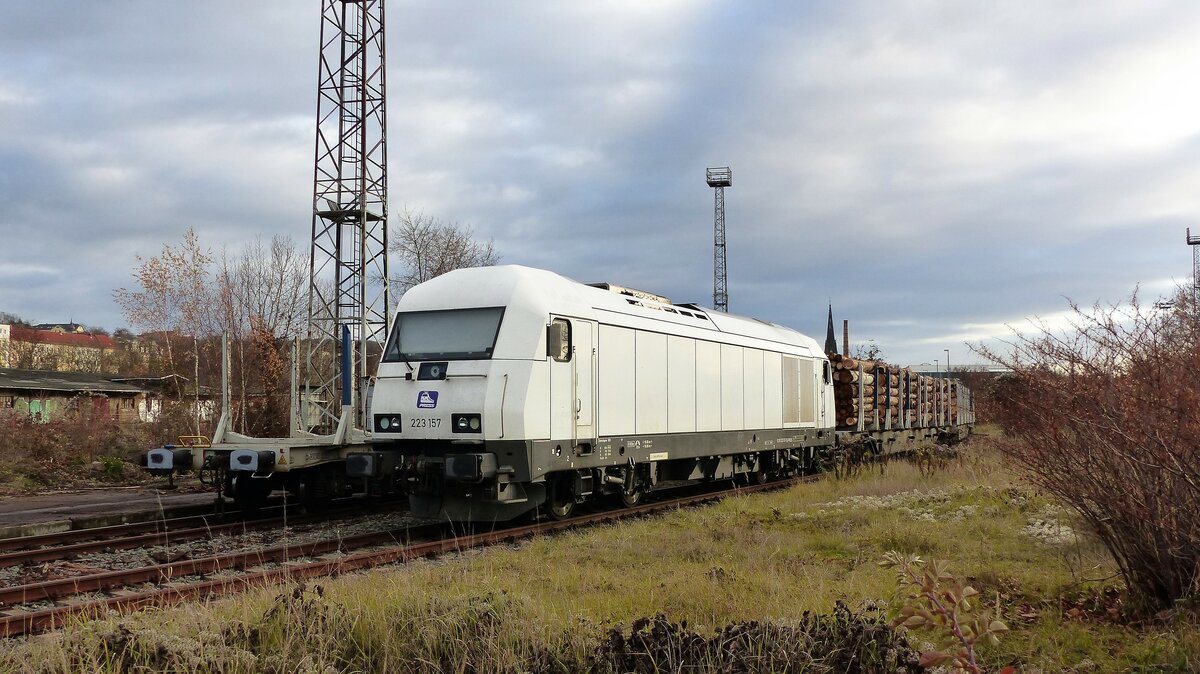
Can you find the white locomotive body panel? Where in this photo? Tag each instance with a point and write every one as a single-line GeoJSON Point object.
{"type": "Point", "coordinates": [646, 374]}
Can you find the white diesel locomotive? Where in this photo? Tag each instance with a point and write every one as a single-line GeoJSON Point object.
{"type": "Point", "coordinates": [504, 389]}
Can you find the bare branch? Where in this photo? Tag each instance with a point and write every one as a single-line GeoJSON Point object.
{"type": "Point", "coordinates": [426, 247]}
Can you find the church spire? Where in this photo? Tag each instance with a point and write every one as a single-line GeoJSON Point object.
{"type": "Point", "coordinates": [830, 339]}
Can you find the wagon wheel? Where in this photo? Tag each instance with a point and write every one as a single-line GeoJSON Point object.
{"type": "Point", "coordinates": [560, 500]}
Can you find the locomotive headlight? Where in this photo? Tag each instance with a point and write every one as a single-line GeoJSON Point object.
{"type": "Point", "coordinates": [387, 423]}
{"type": "Point", "coordinates": [466, 423]}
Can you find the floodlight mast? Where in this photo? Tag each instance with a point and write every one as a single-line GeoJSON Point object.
{"type": "Point", "coordinates": [348, 269]}
{"type": "Point", "coordinates": [1194, 242]}
{"type": "Point", "coordinates": [718, 179]}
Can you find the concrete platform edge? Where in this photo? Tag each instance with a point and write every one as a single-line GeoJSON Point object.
{"type": "Point", "coordinates": [94, 521]}
{"type": "Point", "coordinates": [35, 529]}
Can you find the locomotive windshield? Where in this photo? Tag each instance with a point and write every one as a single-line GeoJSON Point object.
{"type": "Point", "coordinates": [460, 334]}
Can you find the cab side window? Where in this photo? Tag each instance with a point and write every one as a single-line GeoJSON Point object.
{"type": "Point", "coordinates": [558, 340]}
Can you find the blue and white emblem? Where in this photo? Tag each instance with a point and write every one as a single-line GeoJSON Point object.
{"type": "Point", "coordinates": [427, 399]}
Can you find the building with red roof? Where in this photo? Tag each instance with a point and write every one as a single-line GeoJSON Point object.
{"type": "Point", "coordinates": [34, 349]}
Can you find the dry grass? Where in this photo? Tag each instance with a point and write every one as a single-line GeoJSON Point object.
{"type": "Point", "coordinates": [547, 604]}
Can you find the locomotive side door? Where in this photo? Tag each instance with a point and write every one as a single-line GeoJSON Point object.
{"type": "Point", "coordinates": [559, 347]}
{"type": "Point", "coordinates": [584, 363]}
{"type": "Point", "coordinates": [571, 346]}
{"type": "Point", "coordinates": [823, 388]}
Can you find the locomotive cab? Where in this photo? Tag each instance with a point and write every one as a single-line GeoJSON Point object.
{"type": "Point", "coordinates": [446, 409]}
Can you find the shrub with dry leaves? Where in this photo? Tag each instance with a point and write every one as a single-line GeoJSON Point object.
{"type": "Point", "coordinates": [1104, 416]}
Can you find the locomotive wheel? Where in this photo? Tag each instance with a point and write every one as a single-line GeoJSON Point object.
{"type": "Point", "coordinates": [629, 500]}
{"type": "Point", "coordinates": [560, 501]}
{"type": "Point", "coordinates": [633, 490]}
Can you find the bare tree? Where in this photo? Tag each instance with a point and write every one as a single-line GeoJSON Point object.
{"type": "Point", "coordinates": [867, 350]}
{"type": "Point", "coordinates": [265, 284]}
{"type": "Point", "coordinates": [175, 298]}
{"type": "Point", "coordinates": [426, 247]}
{"type": "Point", "coordinates": [261, 305]}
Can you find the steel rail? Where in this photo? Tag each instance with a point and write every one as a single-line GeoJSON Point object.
{"type": "Point", "coordinates": [33, 622]}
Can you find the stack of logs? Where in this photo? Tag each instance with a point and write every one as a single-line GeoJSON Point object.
{"type": "Point", "coordinates": [902, 397]}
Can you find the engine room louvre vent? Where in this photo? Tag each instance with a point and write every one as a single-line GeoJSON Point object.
{"type": "Point", "coordinates": [631, 292]}
{"type": "Point", "coordinates": [697, 312]}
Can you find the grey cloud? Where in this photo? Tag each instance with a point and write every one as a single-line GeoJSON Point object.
{"type": "Point", "coordinates": [889, 158]}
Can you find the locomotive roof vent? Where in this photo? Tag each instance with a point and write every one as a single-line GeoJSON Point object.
{"type": "Point", "coordinates": [631, 292]}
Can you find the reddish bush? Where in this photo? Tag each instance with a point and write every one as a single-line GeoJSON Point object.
{"type": "Point", "coordinates": [1105, 416]}
{"type": "Point", "coordinates": [61, 450]}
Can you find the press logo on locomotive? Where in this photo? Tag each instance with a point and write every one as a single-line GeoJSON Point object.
{"type": "Point", "coordinates": [427, 399]}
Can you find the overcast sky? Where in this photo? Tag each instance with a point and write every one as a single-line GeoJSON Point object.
{"type": "Point", "coordinates": [935, 169]}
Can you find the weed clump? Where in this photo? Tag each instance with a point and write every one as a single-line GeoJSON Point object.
{"type": "Point", "coordinates": [304, 631]}
{"type": "Point", "coordinates": [145, 649]}
{"type": "Point", "coordinates": [939, 602]}
{"type": "Point", "coordinates": [845, 641]}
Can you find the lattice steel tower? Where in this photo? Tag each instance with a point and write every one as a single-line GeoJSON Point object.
{"type": "Point", "coordinates": [719, 179]}
{"type": "Point", "coordinates": [1194, 242]}
{"type": "Point", "coordinates": [348, 268]}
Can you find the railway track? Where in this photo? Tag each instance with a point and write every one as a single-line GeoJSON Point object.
{"type": "Point", "coordinates": [67, 544]}
{"type": "Point", "coordinates": [218, 575]}
{"type": "Point", "coordinates": [70, 536]}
